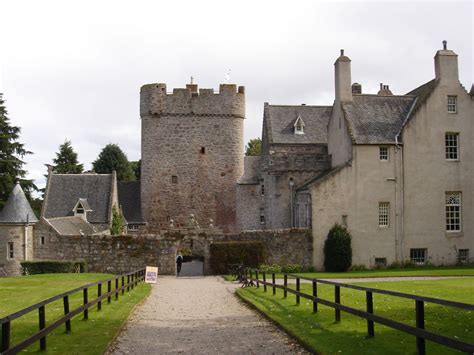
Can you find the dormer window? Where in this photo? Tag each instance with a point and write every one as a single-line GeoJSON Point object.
{"type": "Point", "coordinates": [81, 208]}
{"type": "Point", "coordinates": [299, 126]}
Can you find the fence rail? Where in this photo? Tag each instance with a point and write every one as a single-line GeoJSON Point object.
{"type": "Point", "coordinates": [419, 331]}
{"type": "Point", "coordinates": [120, 285]}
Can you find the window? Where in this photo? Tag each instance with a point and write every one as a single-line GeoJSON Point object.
{"type": "Point", "coordinates": [452, 104]}
{"type": "Point", "coordinates": [380, 262]}
{"type": "Point", "coordinates": [383, 153]}
{"type": "Point", "coordinates": [133, 227]}
{"type": "Point", "coordinates": [452, 146]}
{"type": "Point", "coordinates": [384, 214]}
{"type": "Point", "coordinates": [344, 220]}
{"type": "Point", "coordinates": [203, 150]}
{"type": "Point", "coordinates": [42, 240]}
{"type": "Point", "coordinates": [262, 189]}
{"type": "Point", "coordinates": [79, 209]}
{"type": "Point", "coordinates": [174, 179]}
{"type": "Point", "coordinates": [418, 256]}
{"type": "Point", "coordinates": [463, 256]}
{"type": "Point", "coordinates": [11, 250]}
{"type": "Point", "coordinates": [299, 125]}
{"type": "Point", "coordinates": [453, 211]}
{"type": "Point", "coordinates": [262, 216]}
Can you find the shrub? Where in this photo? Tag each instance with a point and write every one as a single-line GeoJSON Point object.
{"type": "Point", "coordinates": [337, 249]}
{"type": "Point", "coordinates": [117, 222]}
{"type": "Point", "coordinates": [292, 268]}
{"type": "Point", "coordinates": [52, 267]}
{"type": "Point", "coordinates": [250, 254]}
{"type": "Point", "coordinates": [269, 268]}
{"type": "Point", "coordinates": [358, 267]}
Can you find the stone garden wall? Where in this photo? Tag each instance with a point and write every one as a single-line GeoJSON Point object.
{"type": "Point", "coordinates": [113, 254]}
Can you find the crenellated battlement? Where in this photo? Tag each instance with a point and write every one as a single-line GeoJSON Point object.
{"type": "Point", "coordinates": [155, 100]}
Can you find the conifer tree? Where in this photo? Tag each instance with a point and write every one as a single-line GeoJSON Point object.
{"type": "Point", "coordinates": [11, 155]}
{"type": "Point", "coordinates": [66, 160]}
{"type": "Point", "coordinates": [113, 158]}
{"type": "Point", "coordinates": [254, 147]}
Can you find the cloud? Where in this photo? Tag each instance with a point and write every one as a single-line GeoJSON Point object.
{"type": "Point", "coordinates": [74, 69]}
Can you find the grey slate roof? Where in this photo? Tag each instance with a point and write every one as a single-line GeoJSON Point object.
{"type": "Point", "coordinates": [281, 120]}
{"type": "Point", "coordinates": [129, 200]}
{"type": "Point", "coordinates": [74, 225]}
{"type": "Point", "coordinates": [251, 169]}
{"type": "Point", "coordinates": [17, 210]}
{"type": "Point", "coordinates": [64, 190]}
{"type": "Point", "coordinates": [423, 92]}
{"type": "Point", "coordinates": [374, 119]}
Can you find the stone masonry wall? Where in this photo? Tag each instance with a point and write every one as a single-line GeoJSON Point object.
{"type": "Point", "coordinates": [126, 253]}
{"type": "Point", "coordinates": [14, 234]}
{"type": "Point", "coordinates": [192, 155]}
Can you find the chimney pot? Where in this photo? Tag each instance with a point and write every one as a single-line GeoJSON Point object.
{"type": "Point", "coordinates": [342, 52]}
{"type": "Point", "coordinates": [445, 45]}
{"type": "Point", "coordinates": [381, 86]}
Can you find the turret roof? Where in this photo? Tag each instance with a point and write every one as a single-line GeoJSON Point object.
{"type": "Point", "coordinates": [17, 210]}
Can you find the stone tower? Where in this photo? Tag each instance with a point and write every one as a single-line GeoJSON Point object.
{"type": "Point", "coordinates": [192, 155]}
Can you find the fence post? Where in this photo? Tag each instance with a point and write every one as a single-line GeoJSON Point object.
{"type": "Point", "coordinates": [42, 325]}
{"type": "Point", "coordinates": [109, 289]}
{"type": "Point", "coordinates": [285, 283]}
{"type": "Point", "coordinates": [128, 283]}
{"type": "Point", "coordinates": [99, 293]}
{"type": "Point", "coordinates": [5, 336]}
{"type": "Point", "coordinates": [420, 324]}
{"type": "Point", "coordinates": [297, 290]}
{"type": "Point", "coordinates": [66, 312]}
{"type": "Point", "coordinates": [256, 276]}
{"type": "Point", "coordinates": [86, 310]}
{"type": "Point", "coordinates": [116, 288]}
{"type": "Point", "coordinates": [132, 276]}
{"type": "Point", "coordinates": [123, 283]}
{"type": "Point", "coordinates": [273, 283]}
{"type": "Point", "coordinates": [264, 282]}
{"type": "Point", "coordinates": [370, 309]}
{"type": "Point", "coordinates": [337, 300]}
{"type": "Point", "coordinates": [315, 294]}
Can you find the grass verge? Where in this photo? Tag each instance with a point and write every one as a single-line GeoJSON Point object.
{"type": "Point", "coordinates": [87, 337]}
{"type": "Point", "coordinates": [320, 333]}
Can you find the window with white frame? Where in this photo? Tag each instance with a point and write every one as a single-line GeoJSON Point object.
{"type": "Point", "coordinates": [11, 250]}
{"type": "Point", "coordinates": [453, 211]}
{"type": "Point", "coordinates": [452, 146]}
{"type": "Point", "coordinates": [133, 227]}
{"type": "Point", "coordinates": [418, 256]}
{"type": "Point", "coordinates": [463, 256]}
{"type": "Point", "coordinates": [452, 104]}
{"type": "Point", "coordinates": [383, 153]}
{"type": "Point", "coordinates": [262, 216]}
{"type": "Point", "coordinates": [384, 214]}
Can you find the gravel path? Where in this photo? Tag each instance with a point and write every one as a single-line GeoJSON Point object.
{"type": "Point", "coordinates": [199, 316]}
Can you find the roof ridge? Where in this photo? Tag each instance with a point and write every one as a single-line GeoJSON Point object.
{"type": "Point", "coordinates": [322, 106]}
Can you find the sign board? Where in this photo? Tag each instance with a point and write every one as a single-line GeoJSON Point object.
{"type": "Point", "coordinates": [151, 274]}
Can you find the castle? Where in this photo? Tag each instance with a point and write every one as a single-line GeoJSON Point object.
{"type": "Point", "coordinates": [396, 170]}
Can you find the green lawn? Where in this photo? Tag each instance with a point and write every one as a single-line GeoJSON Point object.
{"type": "Point", "coordinates": [87, 337]}
{"type": "Point", "coordinates": [321, 333]}
{"type": "Point", "coordinates": [422, 271]}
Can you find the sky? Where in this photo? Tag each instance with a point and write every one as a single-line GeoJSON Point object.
{"type": "Point", "coordinates": [73, 69]}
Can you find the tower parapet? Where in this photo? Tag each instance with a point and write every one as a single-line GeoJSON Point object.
{"type": "Point", "coordinates": [229, 101]}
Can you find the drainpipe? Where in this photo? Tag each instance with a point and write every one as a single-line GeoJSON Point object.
{"type": "Point", "coordinates": [402, 199]}
{"type": "Point", "coordinates": [26, 236]}
{"type": "Point", "coordinates": [292, 183]}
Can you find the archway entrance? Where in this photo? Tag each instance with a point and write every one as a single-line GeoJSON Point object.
{"type": "Point", "coordinates": [193, 257]}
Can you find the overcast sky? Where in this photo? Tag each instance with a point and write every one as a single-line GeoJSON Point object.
{"type": "Point", "coordinates": [73, 69]}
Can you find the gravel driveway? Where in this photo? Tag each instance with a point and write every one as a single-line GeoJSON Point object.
{"type": "Point", "coordinates": [199, 316]}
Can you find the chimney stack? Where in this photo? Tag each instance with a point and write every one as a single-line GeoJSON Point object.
{"type": "Point", "coordinates": [446, 65]}
{"type": "Point", "coordinates": [384, 90]}
{"type": "Point", "coordinates": [356, 88]}
{"type": "Point", "coordinates": [343, 78]}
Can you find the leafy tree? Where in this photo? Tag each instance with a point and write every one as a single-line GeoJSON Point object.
{"type": "Point", "coordinates": [113, 158]}
{"type": "Point", "coordinates": [117, 222]}
{"type": "Point", "coordinates": [66, 160]}
{"type": "Point", "coordinates": [11, 155]}
{"type": "Point", "coordinates": [337, 249]}
{"type": "Point", "coordinates": [254, 147]}
{"type": "Point", "coordinates": [136, 167]}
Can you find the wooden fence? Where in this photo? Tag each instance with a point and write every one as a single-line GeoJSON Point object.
{"type": "Point", "coordinates": [418, 331]}
{"type": "Point", "coordinates": [119, 284]}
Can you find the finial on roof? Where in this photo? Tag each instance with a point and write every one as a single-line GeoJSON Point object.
{"type": "Point", "coordinates": [445, 44]}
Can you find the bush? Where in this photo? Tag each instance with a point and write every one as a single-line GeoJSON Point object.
{"type": "Point", "coordinates": [269, 268]}
{"type": "Point", "coordinates": [52, 267]}
{"type": "Point", "coordinates": [337, 249]}
{"type": "Point", "coordinates": [250, 254]}
{"type": "Point", "coordinates": [292, 268]}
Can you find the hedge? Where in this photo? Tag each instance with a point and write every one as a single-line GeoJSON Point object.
{"type": "Point", "coordinates": [52, 267]}
{"type": "Point", "coordinates": [250, 254]}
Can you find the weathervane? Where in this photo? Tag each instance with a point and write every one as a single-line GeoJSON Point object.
{"type": "Point", "coordinates": [227, 77]}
